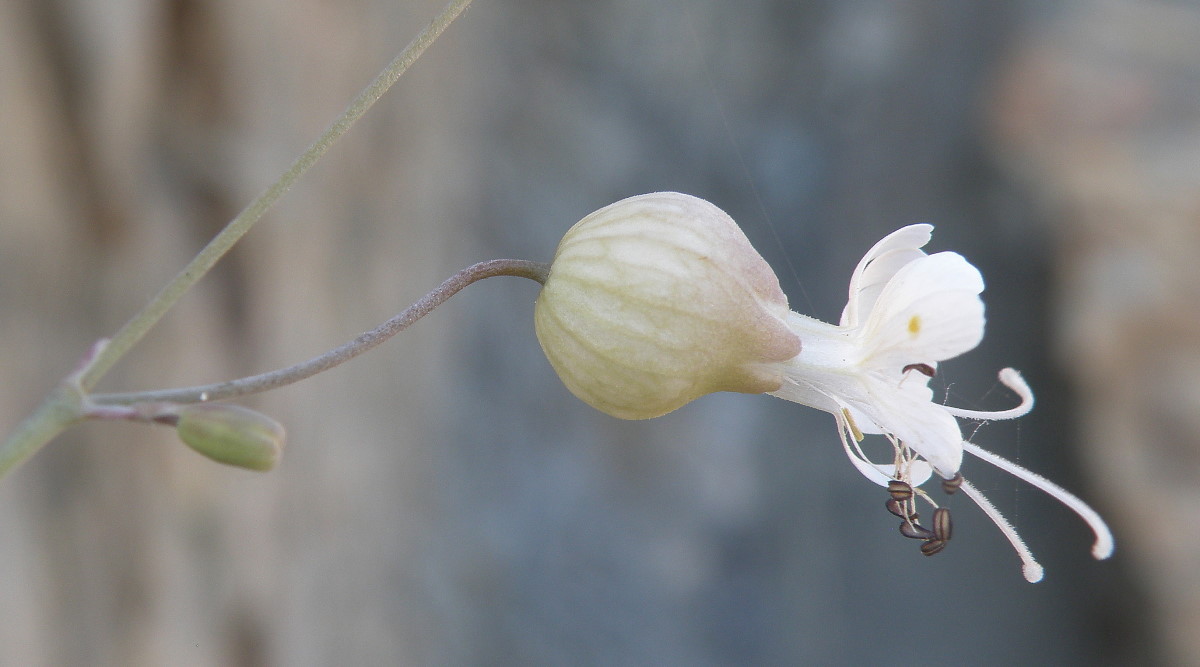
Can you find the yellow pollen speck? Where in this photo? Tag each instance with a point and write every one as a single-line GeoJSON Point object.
{"type": "Point", "coordinates": [914, 325]}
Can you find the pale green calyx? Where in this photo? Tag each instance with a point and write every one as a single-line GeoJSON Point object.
{"type": "Point", "coordinates": [231, 434]}
{"type": "Point", "coordinates": [658, 299]}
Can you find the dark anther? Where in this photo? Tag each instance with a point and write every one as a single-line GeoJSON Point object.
{"type": "Point", "coordinates": [951, 485]}
{"type": "Point", "coordinates": [900, 490]}
{"type": "Point", "coordinates": [896, 507]}
{"type": "Point", "coordinates": [942, 527]}
{"type": "Point", "coordinates": [923, 369]}
{"type": "Point", "coordinates": [916, 531]}
{"type": "Point", "coordinates": [931, 547]}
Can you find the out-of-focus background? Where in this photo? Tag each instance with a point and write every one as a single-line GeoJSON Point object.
{"type": "Point", "coordinates": [445, 501]}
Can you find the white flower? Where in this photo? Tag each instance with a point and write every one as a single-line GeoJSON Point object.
{"type": "Point", "coordinates": [907, 312]}
{"type": "Point", "coordinates": [658, 299]}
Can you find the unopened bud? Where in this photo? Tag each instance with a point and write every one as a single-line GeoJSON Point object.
{"type": "Point", "coordinates": [658, 299]}
{"type": "Point", "coordinates": [231, 434]}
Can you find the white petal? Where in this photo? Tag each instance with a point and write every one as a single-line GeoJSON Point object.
{"type": "Point", "coordinates": [938, 327]}
{"type": "Point", "coordinates": [797, 389]}
{"type": "Point", "coordinates": [917, 472]}
{"type": "Point", "coordinates": [929, 312]}
{"type": "Point", "coordinates": [865, 423]}
{"type": "Point", "coordinates": [880, 474]}
{"type": "Point", "coordinates": [871, 283]}
{"type": "Point", "coordinates": [921, 425]}
{"type": "Point", "coordinates": [942, 272]}
{"type": "Point", "coordinates": [878, 266]}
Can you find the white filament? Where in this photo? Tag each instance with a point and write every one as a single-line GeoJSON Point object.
{"type": "Point", "coordinates": [1012, 379]}
{"type": "Point", "coordinates": [1029, 565]}
{"type": "Point", "coordinates": [1103, 546]}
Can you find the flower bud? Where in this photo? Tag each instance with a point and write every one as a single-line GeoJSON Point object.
{"type": "Point", "coordinates": [659, 299]}
{"type": "Point", "coordinates": [231, 434]}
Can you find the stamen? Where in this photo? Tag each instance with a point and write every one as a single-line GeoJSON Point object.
{"type": "Point", "coordinates": [858, 435]}
{"type": "Point", "coordinates": [1029, 566]}
{"type": "Point", "coordinates": [933, 546]}
{"type": "Point", "coordinates": [899, 490]}
{"type": "Point", "coordinates": [916, 531]}
{"type": "Point", "coordinates": [857, 457]}
{"type": "Point", "coordinates": [1103, 546]}
{"type": "Point", "coordinates": [899, 509]}
{"type": "Point", "coordinates": [942, 527]}
{"type": "Point", "coordinates": [1012, 379]}
{"type": "Point", "coordinates": [921, 492]}
{"type": "Point", "coordinates": [923, 369]}
{"type": "Point", "coordinates": [951, 485]}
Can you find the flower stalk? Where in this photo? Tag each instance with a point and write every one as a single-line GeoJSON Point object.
{"type": "Point", "coordinates": [364, 342]}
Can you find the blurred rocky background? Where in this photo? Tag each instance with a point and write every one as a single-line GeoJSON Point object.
{"type": "Point", "coordinates": [448, 502]}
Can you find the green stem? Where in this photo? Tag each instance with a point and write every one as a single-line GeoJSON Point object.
{"type": "Point", "coordinates": [53, 416]}
{"type": "Point", "coordinates": [137, 327]}
{"type": "Point", "coordinates": [64, 405]}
